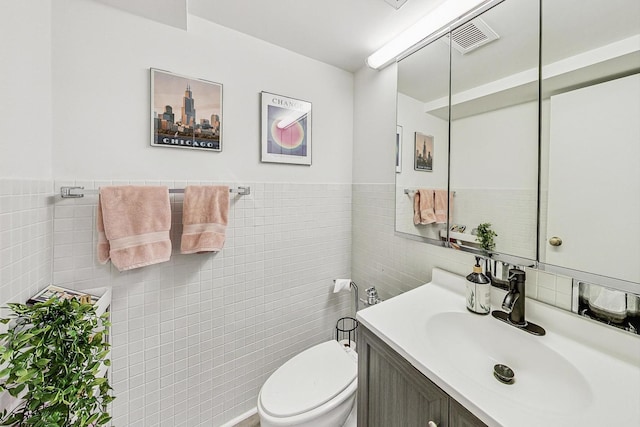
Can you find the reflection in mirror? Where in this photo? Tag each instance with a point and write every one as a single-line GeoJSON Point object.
{"type": "Point", "coordinates": [494, 127]}
{"type": "Point", "coordinates": [590, 133]}
{"type": "Point", "coordinates": [422, 77]}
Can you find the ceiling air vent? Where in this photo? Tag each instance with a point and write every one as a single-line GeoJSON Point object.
{"type": "Point", "coordinates": [471, 36]}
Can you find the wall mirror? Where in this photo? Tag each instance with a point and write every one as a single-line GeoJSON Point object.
{"type": "Point", "coordinates": [493, 84]}
{"type": "Point", "coordinates": [494, 127]}
{"type": "Point", "coordinates": [580, 120]}
{"type": "Point", "coordinates": [590, 134]}
{"type": "Point", "coordinates": [422, 140]}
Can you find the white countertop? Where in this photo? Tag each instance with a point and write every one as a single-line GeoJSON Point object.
{"type": "Point", "coordinates": [588, 375]}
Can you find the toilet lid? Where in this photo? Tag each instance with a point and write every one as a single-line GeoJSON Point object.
{"type": "Point", "coordinates": [308, 380]}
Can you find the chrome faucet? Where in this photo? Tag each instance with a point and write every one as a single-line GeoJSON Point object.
{"type": "Point", "coordinates": [372, 297]}
{"type": "Point", "coordinates": [513, 303]}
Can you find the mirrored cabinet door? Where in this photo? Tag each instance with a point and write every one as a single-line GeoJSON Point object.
{"type": "Point", "coordinates": [422, 141]}
{"type": "Point", "coordinates": [494, 129]}
{"type": "Point", "coordinates": [548, 165]}
{"type": "Point", "coordinates": [590, 128]}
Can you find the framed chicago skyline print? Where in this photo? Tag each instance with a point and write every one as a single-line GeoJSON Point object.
{"type": "Point", "coordinates": [185, 112]}
{"type": "Point", "coordinates": [423, 152]}
{"type": "Point", "coordinates": [286, 129]}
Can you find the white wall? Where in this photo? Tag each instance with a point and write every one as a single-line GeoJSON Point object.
{"type": "Point", "coordinates": [25, 89]}
{"type": "Point", "coordinates": [195, 338]}
{"type": "Point", "coordinates": [101, 107]}
{"type": "Point", "coordinates": [374, 125]}
{"type": "Point", "coordinates": [26, 212]}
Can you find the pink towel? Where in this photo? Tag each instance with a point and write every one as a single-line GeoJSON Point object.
{"type": "Point", "coordinates": [423, 208]}
{"type": "Point", "coordinates": [441, 201]}
{"type": "Point", "coordinates": [133, 226]}
{"type": "Point", "coordinates": [204, 218]}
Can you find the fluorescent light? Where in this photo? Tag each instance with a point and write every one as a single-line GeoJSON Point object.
{"type": "Point", "coordinates": [440, 17]}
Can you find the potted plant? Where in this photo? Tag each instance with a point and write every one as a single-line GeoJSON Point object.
{"type": "Point", "coordinates": [51, 359]}
{"type": "Point", "coordinates": [485, 236]}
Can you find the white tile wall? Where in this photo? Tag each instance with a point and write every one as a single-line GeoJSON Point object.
{"type": "Point", "coordinates": [195, 338]}
{"type": "Point", "coordinates": [512, 213]}
{"type": "Point", "coordinates": [395, 264]}
{"type": "Point", "coordinates": [392, 263]}
{"type": "Point", "coordinates": [26, 212]}
{"type": "Point", "coordinates": [549, 288]}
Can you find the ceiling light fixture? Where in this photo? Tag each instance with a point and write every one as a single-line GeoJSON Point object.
{"type": "Point", "coordinates": [434, 22]}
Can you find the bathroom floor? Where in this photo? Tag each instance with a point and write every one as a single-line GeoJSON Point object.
{"type": "Point", "coordinates": [254, 421]}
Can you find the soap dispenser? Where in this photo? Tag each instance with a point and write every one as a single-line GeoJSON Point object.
{"type": "Point", "coordinates": [478, 291]}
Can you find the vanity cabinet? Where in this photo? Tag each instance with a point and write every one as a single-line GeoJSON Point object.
{"type": "Point", "coordinates": [391, 392]}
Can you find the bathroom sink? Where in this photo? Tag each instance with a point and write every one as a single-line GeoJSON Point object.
{"type": "Point", "coordinates": [473, 345]}
{"type": "Point", "coordinates": [574, 375]}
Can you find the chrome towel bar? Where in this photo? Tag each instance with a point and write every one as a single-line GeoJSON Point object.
{"type": "Point", "coordinates": [410, 191]}
{"type": "Point", "coordinates": [77, 192]}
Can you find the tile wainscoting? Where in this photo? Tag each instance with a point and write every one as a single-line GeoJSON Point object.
{"type": "Point", "coordinates": [394, 264]}
{"type": "Point", "coordinates": [195, 338]}
{"type": "Point", "coordinates": [26, 244]}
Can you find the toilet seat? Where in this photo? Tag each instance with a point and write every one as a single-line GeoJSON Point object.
{"type": "Point", "coordinates": [308, 381]}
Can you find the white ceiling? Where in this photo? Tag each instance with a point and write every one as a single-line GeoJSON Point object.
{"type": "Point", "coordinates": [342, 33]}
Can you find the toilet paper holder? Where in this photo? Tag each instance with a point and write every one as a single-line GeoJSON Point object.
{"type": "Point", "coordinates": [340, 284]}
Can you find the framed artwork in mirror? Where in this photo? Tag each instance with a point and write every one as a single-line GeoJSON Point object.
{"type": "Point", "coordinates": [398, 149]}
{"type": "Point", "coordinates": [185, 112]}
{"type": "Point", "coordinates": [286, 129]}
{"type": "Point", "coordinates": [423, 152]}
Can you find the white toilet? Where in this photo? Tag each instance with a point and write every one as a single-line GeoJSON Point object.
{"type": "Point", "coordinates": [315, 388]}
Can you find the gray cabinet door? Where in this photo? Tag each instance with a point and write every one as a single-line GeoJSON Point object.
{"type": "Point", "coordinates": [459, 416]}
{"type": "Point", "coordinates": [391, 392]}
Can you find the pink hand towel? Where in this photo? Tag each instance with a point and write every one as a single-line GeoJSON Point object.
{"type": "Point", "coordinates": [423, 212]}
{"type": "Point", "coordinates": [133, 226]}
{"type": "Point", "coordinates": [442, 198]}
{"type": "Point", "coordinates": [204, 218]}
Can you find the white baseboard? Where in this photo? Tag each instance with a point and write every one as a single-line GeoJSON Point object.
{"type": "Point", "coordinates": [240, 418]}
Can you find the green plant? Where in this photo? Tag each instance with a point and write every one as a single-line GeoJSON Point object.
{"type": "Point", "coordinates": [485, 236]}
{"type": "Point", "coordinates": [50, 359]}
